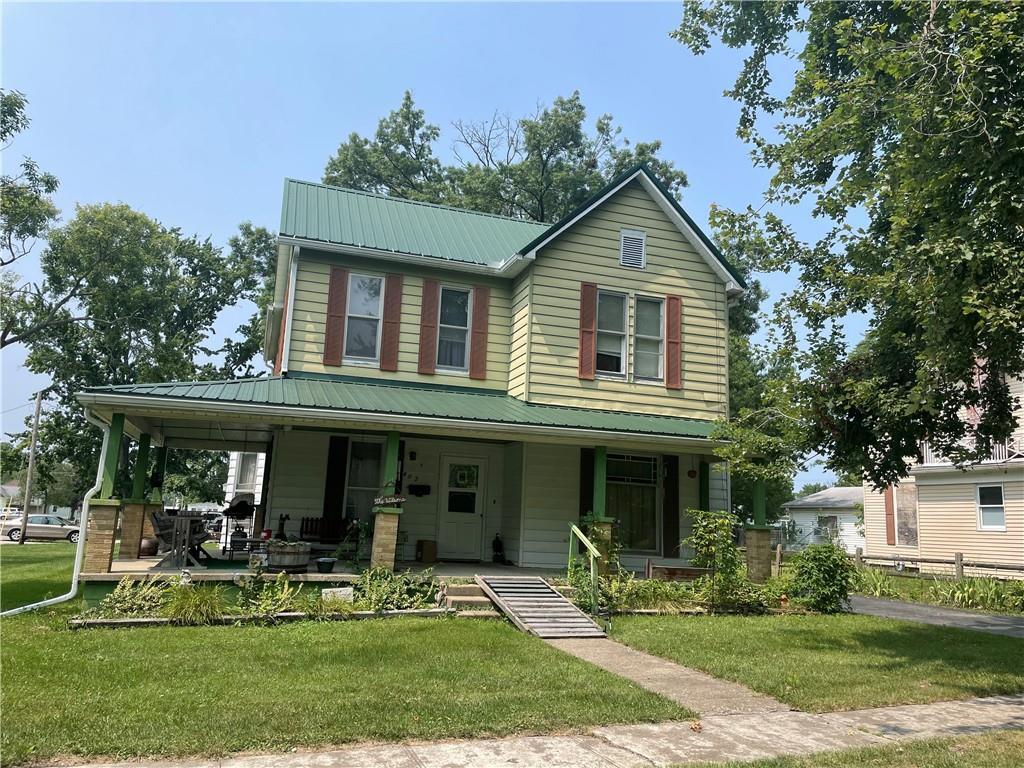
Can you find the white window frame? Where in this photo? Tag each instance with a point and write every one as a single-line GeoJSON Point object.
{"type": "Point", "coordinates": [660, 301]}
{"type": "Point", "coordinates": [978, 505]}
{"type": "Point", "coordinates": [624, 345]}
{"type": "Point", "coordinates": [623, 234]}
{"type": "Point", "coordinates": [349, 359]}
{"type": "Point", "coordinates": [241, 487]}
{"type": "Point", "coordinates": [469, 328]}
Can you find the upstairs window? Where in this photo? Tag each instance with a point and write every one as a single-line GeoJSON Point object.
{"type": "Point", "coordinates": [633, 248]}
{"type": "Point", "coordinates": [649, 338]}
{"type": "Point", "coordinates": [991, 512]}
{"type": "Point", "coordinates": [362, 323]}
{"type": "Point", "coordinates": [453, 329]}
{"type": "Point", "coordinates": [611, 333]}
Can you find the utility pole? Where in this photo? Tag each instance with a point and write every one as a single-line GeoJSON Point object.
{"type": "Point", "coordinates": [27, 497]}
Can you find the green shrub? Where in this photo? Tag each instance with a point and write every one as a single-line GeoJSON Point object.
{"type": "Point", "coordinates": [876, 583]}
{"type": "Point", "coordinates": [979, 592]}
{"type": "Point", "coordinates": [263, 600]}
{"type": "Point", "coordinates": [384, 590]}
{"type": "Point", "coordinates": [823, 576]}
{"type": "Point", "coordinates": [136, 598]}
{"type": "Point", "coordinates": [193, 604]}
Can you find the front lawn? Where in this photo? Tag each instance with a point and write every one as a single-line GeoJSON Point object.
{"type": "Point", "coordinates": [1002, 749]}
{"type": "Point", "coordinates": [34, 571]}
{"type": "Point", "coordinates": [213, 690]}
{"type": "Point", "coordinates": [827, 663]}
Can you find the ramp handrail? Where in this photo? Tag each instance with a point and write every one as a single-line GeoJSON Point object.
{"type": "Point", "coordinates": [593, 553]}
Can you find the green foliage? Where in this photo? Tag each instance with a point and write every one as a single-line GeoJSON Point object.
{"type": "Point", "coordinates": [136, 598]}
{"type": "Point", "coordinates": [625, 592]}
{"type": "Point", "coordinates": [908, 117]}
{"type": "Point", "coordinates": [384, 590]}
{"type": "Point", "coordinates": [193, 477]}
{"type": "Point", "coordinates": [539, 167]}
{"type": "Point", "coordinates": [731, 594]}
{"type": "Point", "coordinates": [978, 592]}
{"type": "Point", "coordinates": [875, 583]}
{"type": "Point", "coordinates": [713, 543]}
{"type": "Point", "coordinates": [263, 600]}
{"type": "Point", "coordinates": [191, 604]}
{"type": "Point", "coordinates": [823, 576]}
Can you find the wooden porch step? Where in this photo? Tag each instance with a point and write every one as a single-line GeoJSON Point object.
{"type": "Point", "coordinates": [468, 590]}
{"type": "Point", "coordinates": [536, 607]}
{"type": "Point", "coordinates": [468, 601]}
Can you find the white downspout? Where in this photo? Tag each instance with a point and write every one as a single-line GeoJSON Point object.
{"type": "Point", "coordinates": [80, 551]}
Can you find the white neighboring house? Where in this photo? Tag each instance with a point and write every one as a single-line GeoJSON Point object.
{"type": "Point", "coordinates": [830, 515]}
{"type": "Point", "coordinates": [245, 475]}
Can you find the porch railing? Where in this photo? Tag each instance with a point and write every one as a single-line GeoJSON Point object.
{"type": "Point", "coordinates": [593, 554]}
{"type": "Point", "coordinates": [1010, 450]}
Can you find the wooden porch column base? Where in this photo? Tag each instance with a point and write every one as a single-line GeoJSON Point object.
{"type": "Point", "coordinates": [385, 540]}
{"type": "Point", "coordinates": [132, 521]}
{"type": "Point", "coordinates": [759, 554]}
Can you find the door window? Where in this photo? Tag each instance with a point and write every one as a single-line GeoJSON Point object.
{"type": "Point", "coordinates": [633, 500]}
{"type": "Point", "coordinates": [462, 488]}
{"type": "Point", "coordinates": [364, 482]}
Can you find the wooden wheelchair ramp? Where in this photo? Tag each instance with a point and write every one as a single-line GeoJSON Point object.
{"type": "Point", "coordinates": [536, 607]}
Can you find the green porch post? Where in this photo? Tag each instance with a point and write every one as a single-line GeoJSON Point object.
{"type": "Point", "coordinates": [600, 483]}
{"type": "Point", "coordinates": [141, 465]}
{"type": "Point", "coordinates": [112, 456]}
{"type": "Point", "coordinates": [156, 480]}
{"type": "Point", "coordinates": [391, 462]}
{"type": "Point", "coordinates": [704, 486]}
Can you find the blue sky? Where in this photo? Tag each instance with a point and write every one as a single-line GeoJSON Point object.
{"type": "Point", "coordinates": [195, 113]}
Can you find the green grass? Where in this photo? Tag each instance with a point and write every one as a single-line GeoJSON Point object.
{"type": "Point", "coordinates": [214, 690]}
{"type": "Point", "coordinates": [34, 571]}
{"type": "Point", "coordinates": [825, 663]}
{"type": "Point", "coordinates": [1002, 749]}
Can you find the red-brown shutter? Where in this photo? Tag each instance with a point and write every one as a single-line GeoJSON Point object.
{"type": "Point", "coordinates": [588, 330]}
{"type": "Point", "coordinates": [673, 342]}
{"type": "Point", "coordinates": [334, 331]}
{"type": "Point", "coordinates": [392, 323]}
{"type": "Point", "coordinates": [428, 326]}
{"type": "Point", "coordinates": [478, 334]}
{"type": "Point", "coordinates": [890, 518]}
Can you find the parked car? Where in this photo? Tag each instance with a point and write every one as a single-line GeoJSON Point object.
{"type": "Point", "coordinates": [42, 527]}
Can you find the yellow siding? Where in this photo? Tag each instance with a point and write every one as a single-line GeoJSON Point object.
{"type": "Point", "coordinates": [874, 527]}
{"type": "Point", "coordinates": [310, 315]}
{"type": "Point", "coordinates": [551, 501]}
{"type": "Point", "coordinates": [518, 385]}
{"type": "Point", "coordinates": [589, 252]}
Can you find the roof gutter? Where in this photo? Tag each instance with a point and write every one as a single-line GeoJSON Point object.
{"type": "Point", "coordinates": [388, 419]}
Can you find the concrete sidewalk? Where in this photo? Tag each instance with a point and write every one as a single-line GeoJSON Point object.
{"type": "Point", "coordinates": [994, 623]}
{"type": "Point", "coordinates": [716, 738]}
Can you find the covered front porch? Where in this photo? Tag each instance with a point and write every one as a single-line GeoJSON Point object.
{"type": "Point", "coordinates": [457, 481]}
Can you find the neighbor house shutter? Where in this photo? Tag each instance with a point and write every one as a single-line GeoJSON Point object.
{"type": "Point", "coordinates": [478, 334]}
{"type": "Point", "coordinates": [392, 323]}
{"type": "Point", "coordinates": [673, 342]}
{"type": "Point", "coordinates": [890, 518]}
{"type": "Point", "coordinates": [334, 330]}
{"type": "Point", "coordinates": [428, 326]}
{"type": "Point", "coordinates": [588, 330]}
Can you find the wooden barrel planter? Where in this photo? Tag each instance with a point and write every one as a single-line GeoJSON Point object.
{"type": "Point", "coordinates": [288, 556]}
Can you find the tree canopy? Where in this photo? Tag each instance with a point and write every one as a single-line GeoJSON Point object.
{"type": "Point", "coordinates": [903, 129]}
{"type": "Point", "coordinates": [538, 167]}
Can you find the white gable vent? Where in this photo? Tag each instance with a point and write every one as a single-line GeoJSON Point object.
{"type": "Point", "coordinates": [633, 248]}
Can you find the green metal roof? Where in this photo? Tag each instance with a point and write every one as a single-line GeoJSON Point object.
{"type": "Point", "coordinates": [348, 217]}
{"type": "Point", "coordinates": [372, 396]}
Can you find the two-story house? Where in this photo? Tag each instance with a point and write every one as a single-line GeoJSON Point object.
{"type": "Point", "coordinates": [941, 510]}
{"type": "Point", "coordinates": [503, 377]}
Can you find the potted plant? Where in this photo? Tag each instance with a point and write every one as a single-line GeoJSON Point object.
{"type": "Point", "coordinates": [287, 555]}
{"type": "Point", "coordinates": [325, 564]}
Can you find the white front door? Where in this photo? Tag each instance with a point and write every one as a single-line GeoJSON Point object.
{"type": "Point", "coordinates": [462, 509]}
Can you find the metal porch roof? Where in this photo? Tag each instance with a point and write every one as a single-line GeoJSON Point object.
{"type": "Point", "coordinates": [347, 394]}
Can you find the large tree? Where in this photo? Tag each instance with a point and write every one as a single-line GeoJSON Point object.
{"type": "Point", "coordinates": [149, 298]}
{"type": "Point", "coordinates": [904, 129]}
{"type": "Point", "coordinates": [537, 167]}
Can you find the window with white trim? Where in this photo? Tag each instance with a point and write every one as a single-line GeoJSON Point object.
{"type": "Point", "coordinates": [648, 338]}
{"type": "Point", "coordinates": [633, 248]}
{"type": "Point", "coordinates": [246, 481]}
{"type": "Point", "coordinates": [362, 322]}
{"type": "Point", "coordinates": [991, 511]}
{"type": "Point", "coordinates": [611, 333]}
{"type": "Point", "coordinates": [453, 329]}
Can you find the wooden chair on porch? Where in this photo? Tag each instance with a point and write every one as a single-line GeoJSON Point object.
{"type": "Point", "coordinates": [181, 537]}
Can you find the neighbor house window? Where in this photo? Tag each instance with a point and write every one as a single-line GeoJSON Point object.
{"type": "Point", "coordinates": [453, 329]}
{"type": "Point", "coordinates": [648, 341]}
{"type": "Point", "coordinates": [611, 333]}
{"type": "Point", "coordinates": [905, 501]}
{"type": "Point", "coordinates": [991, 512]}
{"type": "Point", "coordinates": [362, 323]}
{"type": "Point", "coordinates": [246, 472]}
{"type": "Point", "coordinates": [632, 489]}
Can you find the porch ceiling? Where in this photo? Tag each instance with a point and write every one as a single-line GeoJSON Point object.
{"type": "Point", "coordinates": [245, 412]}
